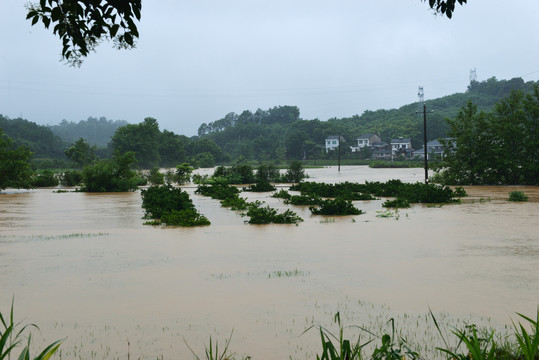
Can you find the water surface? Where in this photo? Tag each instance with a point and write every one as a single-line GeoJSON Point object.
{"type": "Point", "coordinates": [84, 266]}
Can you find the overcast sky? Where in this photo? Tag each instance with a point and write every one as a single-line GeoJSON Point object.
{"type": "Point", "coordinates": [198, 60]}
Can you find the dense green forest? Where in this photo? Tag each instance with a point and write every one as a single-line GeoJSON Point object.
{"type": "Point", "coordinates": [278, 134]}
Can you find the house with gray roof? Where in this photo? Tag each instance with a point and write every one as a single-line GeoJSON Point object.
{"type": "Point", "coordinates": [365, 140]}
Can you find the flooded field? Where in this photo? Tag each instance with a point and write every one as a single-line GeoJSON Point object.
{"type": "Point", "coordinates": [83, 266]}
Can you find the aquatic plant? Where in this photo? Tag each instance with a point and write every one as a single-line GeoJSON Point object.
{"type": "Point", "coordinates": [517, 196]}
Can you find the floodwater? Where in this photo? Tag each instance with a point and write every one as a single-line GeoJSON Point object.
{"type": "Point", "coordinates": [85, 268]}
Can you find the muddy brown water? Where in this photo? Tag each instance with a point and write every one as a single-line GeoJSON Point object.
{"type": "Point", "coordinates": [83, 266]}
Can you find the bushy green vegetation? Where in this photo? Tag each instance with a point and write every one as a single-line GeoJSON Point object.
{"type": "Point", "coordinates": [81, 153]}
{"type": "Point", "coordinates": [395, 164]}
{"type": "Point", "coordinates": [396, 203]}
{"type": "Point", "coordinates": [281, 194]}
{"type": "Point", "coordinates": [45, 178]}
{"type": "Point", "coordinates": [170, 206]}
{"type": "Point", "coordinates": [114, 175]}
{"type": "Point", "coordinates": [39, 139]}
{"type": "Point", "coordinates": [71, 178]}
{"type": "Point", "coordinates": [183, 173]}
{"type": "Point", "coordinates": [267, 215]}
{"type": "Point", "coordinates": [186, 217]}
{"type": "Point", "coordinates": [414, 193]}
{"type": "Point", "coordinates": [155, 177]}
{"type": "Point", "coordinates": [499, 147]}
{"type": "Point", "coordinates": [338, 206]}
{"type": "Point", "coordinates": [303, 200]}
{"type": "Point", "coordinates": [219, 190]}
{"type": "Point", "coordinates": [261, 186]}
{"type": "Point", "coordinates": [517, 196]}
{"type": "Point", "coordinates": [15, 170]}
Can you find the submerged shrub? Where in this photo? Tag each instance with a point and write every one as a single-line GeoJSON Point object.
{"type": "Point", "coordinates": [282, 194]}
{"type": "Point", "coordinates": [183, 173]}
{"type": "Point", "coordinates": [235, 203]}
{"type": "Point", "coordinates": [155, 177]}
{"type": "Point", "coordinates": [336, 206]}
{"type": "Point", "coordinates": [186, 217]}
{"type": "Point", "coordinates": [71, 178]}
{"type": "Point", "coordinates": [218, 190]}
{"type": "Point", "coordinates": [304, 200]}
{"type": "Point", "coordinates": [262, 186]}
{"type": "Point", "coordinates": [46, 178]}
{"type": "Point", "coordinates": [111, 175]}
{"type": "Point", "coordinates": [517, 196]}
{"type": "Point", "coordinates": [268, 215]}
{"type": "Point", "coordinates": [170, 206]}
{"type": "Point", "coordinates": [295, 173]}
{"type": "Point", "coordinates": [397, 203]}
{"type": "Point", "coordinates": [157, 200]}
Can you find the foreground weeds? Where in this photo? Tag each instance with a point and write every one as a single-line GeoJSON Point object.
{"type": "Point", "coordinates": [463, 342]}
{"type": "Point", "coordinates": [13, 340]}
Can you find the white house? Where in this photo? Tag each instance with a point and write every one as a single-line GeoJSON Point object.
{"type": "Point", "coordinates": [332, 142]}
{"type": "Point", "coordinates": [365, 140]}
{"type": "Point", "coordinates": [400, 145]}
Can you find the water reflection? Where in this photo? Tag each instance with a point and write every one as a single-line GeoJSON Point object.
{"type": "Point", "coordinates": [83, 265]}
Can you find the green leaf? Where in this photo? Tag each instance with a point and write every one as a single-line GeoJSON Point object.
{"type": "Point", "coordinates": [35, 20]}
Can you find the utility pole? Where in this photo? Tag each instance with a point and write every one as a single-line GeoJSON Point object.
{"type": "Point", "coordinates": [339, 154]}
{"type": "Point", "coordinates": [421, 96]}
{"type": "Point", "coordinates": [425, 143]}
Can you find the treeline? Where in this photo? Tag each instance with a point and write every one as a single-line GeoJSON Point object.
{"type": "Point", "coordinates": [280, 133]}
{"type": "Point", "coordinates": [39, 139]}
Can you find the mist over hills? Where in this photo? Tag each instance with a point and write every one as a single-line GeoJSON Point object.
{"type": "Point", "coordinates": [276, 133]}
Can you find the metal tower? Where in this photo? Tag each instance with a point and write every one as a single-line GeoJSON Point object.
{"type": "Point", "coordinates": [473, 75]}
{"type": "Point", "coordinates": [421, 96]}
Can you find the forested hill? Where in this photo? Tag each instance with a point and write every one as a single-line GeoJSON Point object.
{"type": "Point", "coordinates": [279, 132]}
{"type": "Point", "coordinates": [38, 138]}
{"type": "Point", "coordinates": [97, 132]}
